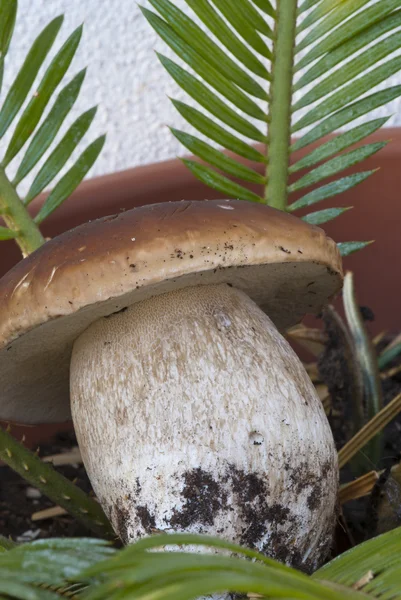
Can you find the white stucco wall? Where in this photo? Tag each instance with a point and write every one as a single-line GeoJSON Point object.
{"type": "Point", "coordinates": [124, 78]}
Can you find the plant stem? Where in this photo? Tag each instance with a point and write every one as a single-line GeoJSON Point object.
{"type": "Point", "coordinates": [54, 485]}
{"type": "Point", "coordinates": [17, 218]}
{"type": "Point", "coordinates": [280, 104]}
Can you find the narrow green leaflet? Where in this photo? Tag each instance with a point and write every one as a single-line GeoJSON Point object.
{"type": "Point", "coordinates": [50, 126]}
{"type": "Point", "coordinates": [61, 154]}
{"type": "Point", "coordinates": [348, 30]}
{"type": "Point", "coordinates": [338, 144]}
{"type": "Point", "coordinates": [193, 35]}
{"type": "Point", "coordinates": [347, 72]}
{"type": "Point", "coordinates": [306, 5]}
{"type": "Point", "coordinates": [204, 10]}
{"type": "Point", "coordinates": [367, 361]}
{"type": "Point", "coordinates": [32, 114]}
{"type": "Point", "coordinates": [337, 164]}
{"type": "Point", "coordinates": [208, 127]}
{"type": "Point", "coordinates": [323, 216]}
{"type": "Point", "coordinates": [345, 116]}
{"type": "Point", "coordinates": [347, 248]}
{"type": "Point", "coordinates": [214, 77]}
{"type": "Point", "coordinates": [210, 101]}
{"type": "Point", "coordinates": [71, 179]}
{"type": "Point", "coordinates": [23, 82]}
{"type": "Point", "coordinates": [323, 8]}
{"type": "Point", "coordinates": [353, 45]}
{"type": "Point", "coordinates": [8, 13]}
{"type": "Point", "coordinates": [220, 183]}
{"type": "Point", "coordinates": [246, 21]}
{"type": "Point", "coordinates": [266, 6]}
{"type": "Point", "coordinates": [216, 158]}
{"type": "Point", "coordinates": [350, 92]}
{"type": "Point", "coordinates": [6, 234]}
{"type": "Point", "coordinates": [329, 190]}
{"type": "Point", "coordinates": [388, 355]}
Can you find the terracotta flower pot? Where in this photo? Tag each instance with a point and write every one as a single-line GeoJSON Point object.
{"type": "Point", "coordinates": [376, 215]}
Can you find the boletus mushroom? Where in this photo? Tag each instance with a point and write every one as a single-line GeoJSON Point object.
{"type": "Point", "coordinates": [157, 329]}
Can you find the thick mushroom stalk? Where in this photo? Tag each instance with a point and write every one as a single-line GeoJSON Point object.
{"type": "Point", "coordinates": [194, 414]}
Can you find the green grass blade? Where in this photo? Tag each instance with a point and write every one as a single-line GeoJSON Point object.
{"type": "Point", "coordinates": [210, 17]}
{"type": "Point", "coordinates": [338, 144]}
{"type": "Point", "coordinates": [197, 39]}
{"type": "Point", "coordinates": [213, 104]}
{"type": "Point", "coordinates": [350, 92]}
{"type": "Point", "coordinates": [7, 234]}
{"type": "Point", "coordinates": [346, 50]}
{"type": "Point", "coordinates": [347, 248]}
{"type": "Point", "coordinates": [32, 114]}
{"type": "Point", "coordinates": [71, 179]}
{"type": "Point", "coordinates": [348, 30]}
{"type": "Point", "coordinates": [341, 12]}
{"type": "Point", "coordinates": [50, 126]}
{"type": "Point", "coordinates": [61, 154]}
{"type": "Point", "coordinates": [214, 132]}
{"type": "Point", "coordinates": [216, 158]}
{"type": "Point", "coordinates": [8, 13]}
{"type": "Point", "coordinates": [266, 6]}
{"type": "Point", "coordinates": [352, 69]}
{"type": "Point", "coordinates": [322, 9]}
{"type": "Point", "coordinates": [346, 115]}
{"type": "Point", "coordinates": [331, 189]}
{"type": "Point", "coordinates": [388, 355]}
{"type": "Point", "coordinates": [368, 364]}
{"type": "Point", "coordinates": [202, 67]}
{"type": "Point", "coordinates": [247, 22]}
{"type": "Point", "coordinates": [27, 74]}
{"type": "Point", "coordinates": [220, 183]}
{"type": "Point", "coordinates": [337, 164]}
{"type": "Point", "coordinates": [323, 216]}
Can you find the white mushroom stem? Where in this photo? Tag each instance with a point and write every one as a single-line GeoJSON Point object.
{"type": "Point", "coordinates": [194, 414]}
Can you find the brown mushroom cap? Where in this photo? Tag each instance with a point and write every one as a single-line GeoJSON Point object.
{"type": "Point", "coordinates": [289, 268]}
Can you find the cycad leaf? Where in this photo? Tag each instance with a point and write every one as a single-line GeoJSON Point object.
{"type": "Point", "coordinates": [216, 158]}
{"type": "Point", "coordinates": [61, 154]}
{"type": "Point", "coordinates": [227, 37]}
{"type": "Point", "coordinates": [220, 183]}
{"type": "Point", "coordinates": [338, 144]}
{"type": "Point", "coordinates": [202, 67]}
{"type": "Point", "coordinates": [349, 71]}
{"type": "Point", "coordinates": [50, 126]}
{"type": "Point", "coordinates": [210, 101]}
{"type": "Point", "coordinates": [348, 30]}
{"type": "Point", "coordinates": [346, 115]}
{"type": "Point", "coordinates": [322, 9]}
{"type": "Point", "coordinates": [6, 234]}
{"type": "Point", "coordinates": [347, 248]}
{"type": "Point", "coordinates": [246, 21]}
{"type": "Point", "coordinates": [208, 127]}
{"type": "Point", "coordinates": [37, 105]}
{"type": "Point", "coordinates": [71, 179]}
{"type": "Point", "coordinates": [8, 13]}
{"type": "Point", "coordinates": [27, 74]}
{"type": "Point", "coordinates": [346, 50]}
{"type": "Point", "coordinates": [323, 216]}
{"type": "Point", "coordinates": [350, 92]}
{"type": "Point", "coordinates": [197, 39]}
{"type": "Point", "coordinates": [341, 13]}
{"type": "Point", "coordinates": [329, 190]}
{"type": "Point", "coordinates": [266, 6]}
{"type": "Point", "coordinates": [337, 164]}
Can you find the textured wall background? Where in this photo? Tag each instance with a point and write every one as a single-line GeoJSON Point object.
{"type": "Point", "coordinates": [124, 76]}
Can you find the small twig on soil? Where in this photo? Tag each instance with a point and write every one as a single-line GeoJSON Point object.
{"type": "Point", "coordinates": [64, 458]}
{"type": "Point", "coordinates": [48, 513]}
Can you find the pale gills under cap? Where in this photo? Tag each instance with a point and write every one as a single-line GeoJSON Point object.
{"type": "Point", "coordinates": [289, 268]}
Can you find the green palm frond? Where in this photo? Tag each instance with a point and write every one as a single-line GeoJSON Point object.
{"type": "Point", "coordinates": [262, 71]}
{"type": "Point", "coordinates": [35, 132]}
{"type": "Point", "coordinates": [90, 569]}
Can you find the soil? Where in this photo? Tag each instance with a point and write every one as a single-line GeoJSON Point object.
{"type": "Point", "coordinates": [19, 501]}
